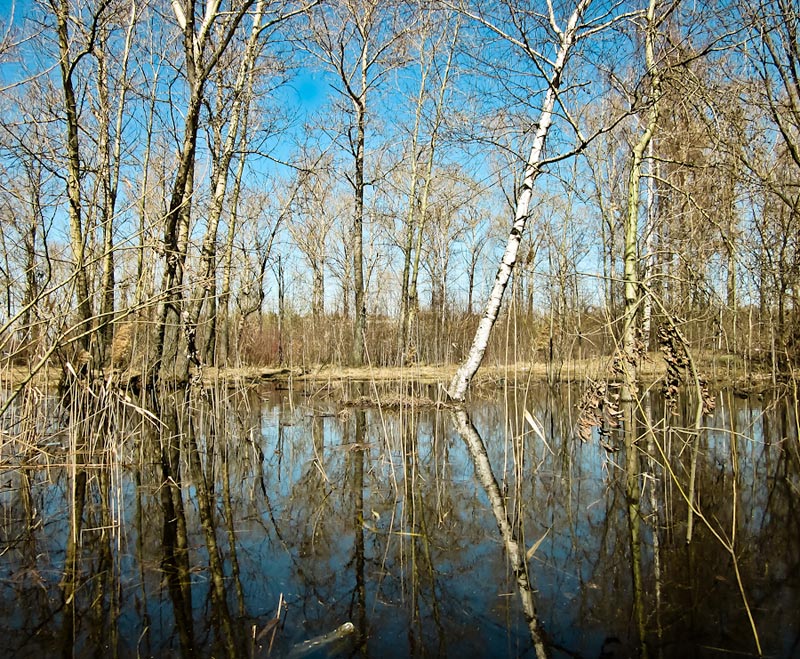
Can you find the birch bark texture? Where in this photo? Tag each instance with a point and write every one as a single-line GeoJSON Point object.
{"type": "Point", "coordinates": [567, 39]}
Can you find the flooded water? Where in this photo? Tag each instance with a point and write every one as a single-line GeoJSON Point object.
{"type": "Point", "coordinates": [277, 523]}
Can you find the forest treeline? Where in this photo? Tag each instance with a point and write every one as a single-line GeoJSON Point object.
{"type": "Point", "coordinates": [254, 182]}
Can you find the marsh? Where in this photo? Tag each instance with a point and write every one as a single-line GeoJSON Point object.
{"type": "Point", "coordinates": [250, 521]}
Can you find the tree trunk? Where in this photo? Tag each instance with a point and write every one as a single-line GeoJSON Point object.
{"type": "Point", "coordinates": [459, 385]}
{"type": "Point", "coordinates": [76, 231]}
{"type": "Point", "coordinates": [110, 153]}
{"type": "Point", "coordinates": [143, 288]}
{"type": "Point", "coordinates": [176, 223]}
{"type": "Point", "coordinates": [651, 263]}
{"type": "Point", "coordinates": [177, 215]}
{"type": "Point", "coordinates": [208, 252]}
{"type": "Point", "coordinates": [630, 336]}
{"type": "Point", "coordinates": [227, 268]}
{"type": "Point", "coordinates": [318, 290]}
{"type": "Point", "coordinates": [30, 327]}
{"type": "Point", "coordinates": [360, 324]}
{"type": "Point", "coordinates": [103, 113]}
{"type": "Point", "coordinates": [408, 244]}
{"type": "Point", "coordinates": [281, 310]}
{"type": "Point", "coordinates": [413, 295]}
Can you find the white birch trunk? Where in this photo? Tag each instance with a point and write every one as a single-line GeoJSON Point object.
{"type": "Point", "coordinates": [467, 370]}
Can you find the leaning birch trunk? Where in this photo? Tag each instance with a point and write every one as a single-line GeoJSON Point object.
{"type": "Point", "coordinates": [467, 370]}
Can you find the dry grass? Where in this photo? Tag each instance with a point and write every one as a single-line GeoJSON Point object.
{"type": "Point", "coordinates": [487, 376]}
{"type": "Point", "coordinates": [43, 379]}
{"type": "Point", "coordinates": [717, 368]}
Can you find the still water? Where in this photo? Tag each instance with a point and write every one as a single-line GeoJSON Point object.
{"type": "Point", "coordinates": [274, 522]}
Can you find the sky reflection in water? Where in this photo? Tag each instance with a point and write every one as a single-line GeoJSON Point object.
{"type": "Point", "coordinates": [377, 517]}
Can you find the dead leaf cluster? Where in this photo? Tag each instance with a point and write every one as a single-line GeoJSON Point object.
{"type": "Point", "coordinates": [673, 348]}
{"type": "Point", "coordinates": [597, 409]}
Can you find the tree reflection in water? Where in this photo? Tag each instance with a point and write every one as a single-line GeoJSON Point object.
{"type": "Point", "coordinates": [411, 522]}
{"type": "Point", "coordinates": [516, 555]}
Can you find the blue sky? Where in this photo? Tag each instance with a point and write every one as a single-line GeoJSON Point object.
{"type": "Point", "coordinates": [310, 89]}
{"type": "Point", "coordinates": [476, 94]}
{"type": "Point", "coordinates": [18, 7]}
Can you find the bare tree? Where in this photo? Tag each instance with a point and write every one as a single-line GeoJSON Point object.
{"type": "Point", "coordinates": [566, 36]}
{"type": "Point", "coordinates": [72, 50]}
{"type": "Point", "coordinates": [233, 118]}
{"type": "Point", "coordinates": [773, 50]}
{"type": "Point", "coordinates": [111, 85]}
{"type": "Point", "coordinates": [432, 38]}
{"type": "Point", "coordinates": [315, 212]}
{"type": "Point", "coordinates": [360, 41]}
{"type": "Point", "coordinates": [206, 40]}
{"type": "Point", "coordinates": [630, 336]}
{"type": "Point", "coordinates": [203, 47]}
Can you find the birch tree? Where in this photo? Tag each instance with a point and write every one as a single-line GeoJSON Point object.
{"type": "Point", "coordinates": [567, 35]}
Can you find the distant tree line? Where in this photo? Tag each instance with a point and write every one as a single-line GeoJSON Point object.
{"type": "Point", "coordinates": [247, 181]}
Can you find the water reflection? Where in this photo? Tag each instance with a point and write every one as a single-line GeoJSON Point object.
{"type": "Point", "coordinates": [516, 555]}
{"type": "Point", "coordinates": [258, 523]}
